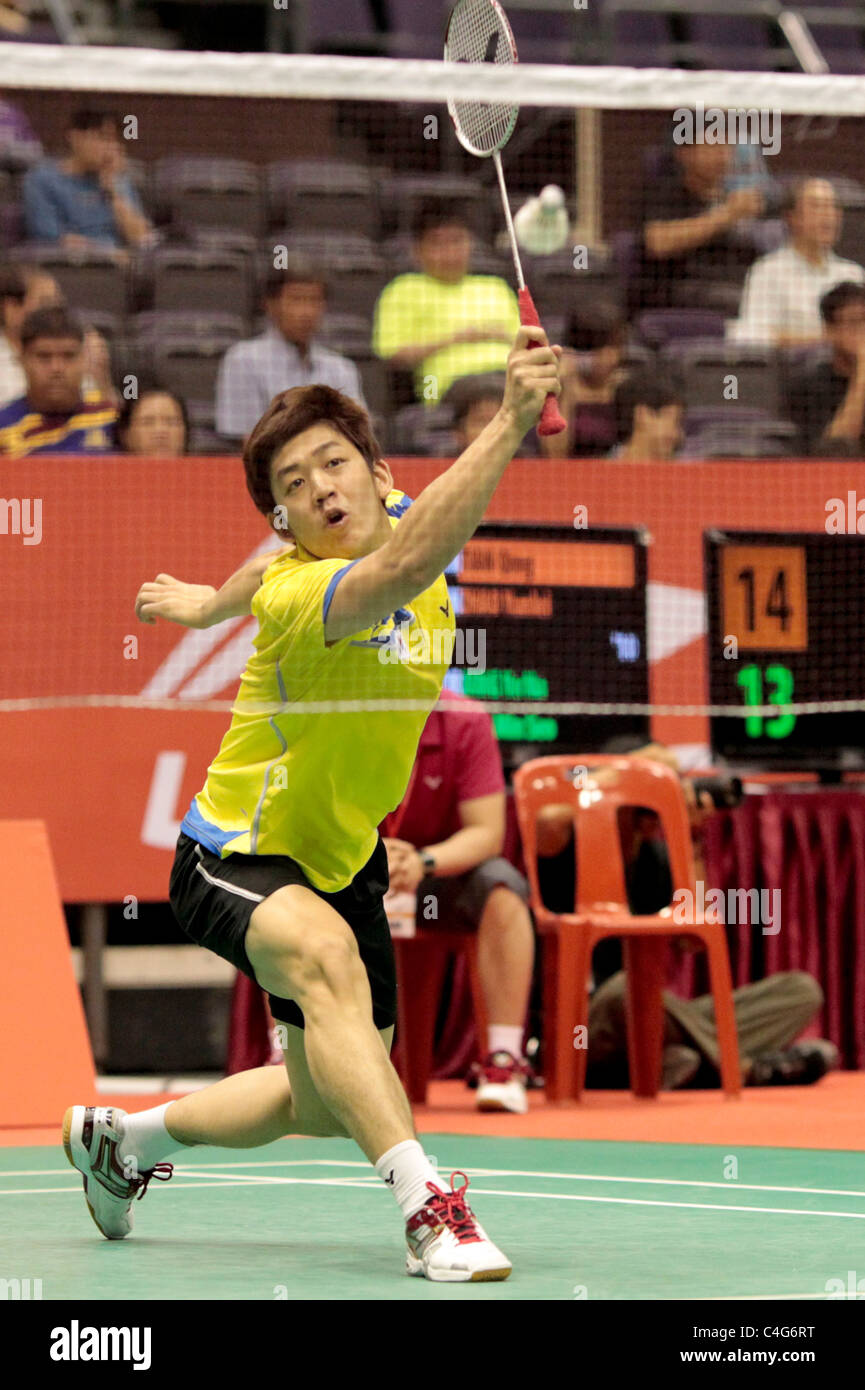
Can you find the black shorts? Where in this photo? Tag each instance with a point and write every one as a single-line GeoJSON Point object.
{"type": "Point", "coordinates": [213, 900]}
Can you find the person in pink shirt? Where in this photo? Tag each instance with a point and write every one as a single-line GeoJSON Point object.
{"type": "Point", "coordinates": [445, 842]}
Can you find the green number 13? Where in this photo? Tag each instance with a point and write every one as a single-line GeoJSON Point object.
{"type": "Point", "coordinates": [780, 680]}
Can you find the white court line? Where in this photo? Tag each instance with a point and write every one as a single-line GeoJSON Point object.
{"type": "Point", "coordinates": [732, 1185]}
{"type": "Point", "coordinates": [494, 1192]}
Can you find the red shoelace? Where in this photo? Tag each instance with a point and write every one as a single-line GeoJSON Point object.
{"type": "Point", "coordinates": [162, 1171]}
{"type": "Point", "coordinates": [450, 1207]}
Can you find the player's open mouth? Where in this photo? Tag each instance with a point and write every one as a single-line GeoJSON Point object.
{"type": "Point", "coordinates": [335, 519]}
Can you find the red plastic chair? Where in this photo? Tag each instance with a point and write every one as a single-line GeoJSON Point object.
{"type": "Point", "coordinates": [420, 967]}
{"type": "Point", "coordinates": [601, 910]}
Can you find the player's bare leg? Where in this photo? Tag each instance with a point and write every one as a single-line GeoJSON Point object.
{"type": "Point", "coordinates": [301, 949]}
{"type": "Point", "coordinates": [506, 953]}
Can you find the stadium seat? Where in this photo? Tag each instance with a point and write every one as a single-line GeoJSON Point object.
{"type": "Point", "coordinates": [560, 288]}
{"type": "Point", "coordinates": [195, 190]}
{"type": "Point", "coordinates": [705, 366]}
{"type": "Point", "coordinates": [637, 40]}
{"type": "Point", "coordinates": [400, 194]}
{"type": "Point", "coordinates": [355, 270]}
{"type": "Point", "coordinates": [308, 193]}
{"type": "Point", "coordinates": [738, 41]}
{"type": "Point", "coordinates": [657, 327]}
{"type": "Point", "coordinates": [346, 333]}
{"type": "Point", "coordinates": [375, 381]}
{"type": "Point", "coordinates": [197, 278]}
{"type": "Point", "coordinates": [203, 438]}
{"type": "Point", "coordinates": [747, 440]}
{"type": "Point", "coordinates": [838, 29]}
{"type": "Point", "coordinates": [424, 429]}
{"type": "Point", "coordinates": [189, 364]}
{"type": "Point", "coordinates": [88, 278]}
{"type": "Point", "coordinates": [225, 239]}
{"type": "Point", "coordinates": [851, 243]}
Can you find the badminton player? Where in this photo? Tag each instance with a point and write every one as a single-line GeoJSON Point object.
{"type": "Point", "coordinates": [280, 868]}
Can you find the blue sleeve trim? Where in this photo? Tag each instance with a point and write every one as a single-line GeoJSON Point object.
{"type": "Point", "coordinates": [398, 508]}
{"type": "Point", "coordinates": [331, 589]}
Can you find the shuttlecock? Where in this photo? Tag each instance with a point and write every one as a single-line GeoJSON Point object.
{"type": "Point", "coordinates": [542, 223]}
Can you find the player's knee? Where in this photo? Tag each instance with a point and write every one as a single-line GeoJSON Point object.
{"type": "Point", "coordinates": [328, 963]}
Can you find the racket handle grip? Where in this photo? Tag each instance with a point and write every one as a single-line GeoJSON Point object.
{"type": "Point", "coordinates": [551, 421]}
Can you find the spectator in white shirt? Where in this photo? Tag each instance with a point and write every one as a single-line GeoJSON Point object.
{"type": "Point", "coordinates": [284, 355]}
{"type": "Point", "coordinates": [781, 298]}
{"type": "Point", "coordinates": [23, 288]}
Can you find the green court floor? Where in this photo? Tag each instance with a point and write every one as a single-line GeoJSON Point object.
{"type": "Point", "coordinates": [310, 1219]}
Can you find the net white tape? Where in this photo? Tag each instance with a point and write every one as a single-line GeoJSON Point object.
{"type": "Point", "coordinates": [382, 79]}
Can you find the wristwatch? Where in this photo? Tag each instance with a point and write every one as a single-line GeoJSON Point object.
{"type": "Point", "coordinates": [428, 861]}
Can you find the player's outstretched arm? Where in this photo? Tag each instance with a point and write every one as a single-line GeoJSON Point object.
{"type": "Point", "coordinates": [200, 605]}
{"type": "Point", "coordinates": [448, 511]}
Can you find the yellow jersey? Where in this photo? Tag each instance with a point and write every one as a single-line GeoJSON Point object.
{"type": "Point", "coordinates": [296, 776]}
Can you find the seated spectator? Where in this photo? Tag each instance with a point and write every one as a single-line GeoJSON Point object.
{"type": "Point", "coordinates": [827, 398]}
{"type": "Point", "coordinates": [286, 354]}
{"type": "Point", "coordinates": [770, 1013]}
{"type": "Point", "coordinates": [23, 288]}
{"type": "Point", "coordinates": [590, 373]}
{"type": "Point", "coordinates": [444, 844]}
{"type": "Point", "coordinates": [56, 414]}
{"type": "Point", "coordinates": [781, 298]}
{"type": "Point", "coordinates": [156, 424]}
{"type": "Point", "coordinates": [475, 401]}
{"type": "Point", "coordinates": [693, 229]}
{"type": "Point", "coordinates": [442, 322]}
{"type": "Point", "coordinates": [649, 415]}
{"type": "Point", "coordinates": [86, 199]}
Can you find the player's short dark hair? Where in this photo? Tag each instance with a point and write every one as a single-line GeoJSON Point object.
{"type": "Point", "coordinates": [432, 213]}
{"type": "Point", "coordinates": [298, 270]}
{"type": "Point", "coordinates": [599, 323]}
{"type": "Point", "coordinates": [848, 292]}
{"type": "Point", "coordinates": [289, 414]}
{"type": "Point", "coordinates": [649, 388]}
{"type": "Point", "coordinates": [128, 408]}
{"type": "Point", "coordinates": [466, 391]}
{"type": "Point", "coordinates": [52, 322]}
{"type": "Point", "coordinates": [92, 118]}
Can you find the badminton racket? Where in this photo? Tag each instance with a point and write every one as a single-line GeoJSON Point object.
{"type": "Point", "coordinates": [478, 32]}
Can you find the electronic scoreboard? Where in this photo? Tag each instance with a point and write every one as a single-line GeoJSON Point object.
{"type": "Point", "coordinates": [551, 614]}
{"type": "Point", "coordinates": [786, 618]}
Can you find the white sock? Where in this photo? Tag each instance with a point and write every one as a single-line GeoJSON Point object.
{"type": "Point", "coordinates": [146, 1138]}
{"type": "Point", "coordinates": [502, 1038]}
{"type": "Point", "coordinates": [406, 1170]}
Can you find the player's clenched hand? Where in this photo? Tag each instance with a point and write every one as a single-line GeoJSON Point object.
{"type": "Point", "coordinates": [167, 597]}
{"type": "Point", "coordinates": [532, 374]}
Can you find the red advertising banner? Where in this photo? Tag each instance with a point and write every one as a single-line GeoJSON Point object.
{"type": "Point", "coordinates": [78, 536]}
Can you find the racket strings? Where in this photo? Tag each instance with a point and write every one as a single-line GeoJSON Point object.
{"type": "Point", "coordinates": [478, 33]}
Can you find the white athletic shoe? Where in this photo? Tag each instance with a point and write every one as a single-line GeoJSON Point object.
{"type": "Point", "coordinates": [447, 1244]}
{"type": "Point", "coordinates": [91, 1138]}
{"type": "Point", "coordinates": [502, 1082]}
